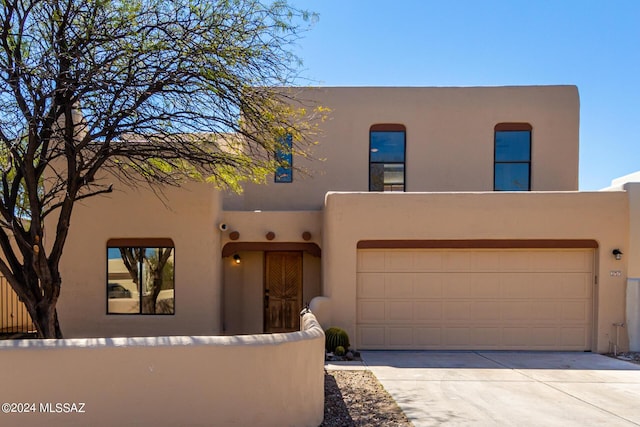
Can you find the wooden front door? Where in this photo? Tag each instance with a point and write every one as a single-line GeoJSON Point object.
{"type": "Point", "coordinates": [282, 291]}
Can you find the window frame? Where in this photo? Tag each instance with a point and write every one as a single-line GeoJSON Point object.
{"type": "Point", "coordinates": [282, 174]}
{"type": "Point", "coordinates": [140, 243]}
{"type": "Point", "coordinates": [390, 127]}
{"type": "Point", "coordinates": [512, 127]}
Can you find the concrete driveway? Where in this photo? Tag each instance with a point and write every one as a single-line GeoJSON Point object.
{"type": "Point", "coordinates": [509, 388]}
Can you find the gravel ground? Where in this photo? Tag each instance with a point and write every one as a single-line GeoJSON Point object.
{"type": "Point", "coordinates": [629, 356]}
{"type": "Point", "coordinates": [356, 398]}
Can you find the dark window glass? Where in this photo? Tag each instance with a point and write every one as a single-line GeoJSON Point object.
{"type": "Point", "coordinates": [512, 177]}
{"type": "Point", "coordinates": [387, 146]}
{"type": "Point", "coordinates": [387, 159]}
{"type": "Point", "coordinates": [512, 166]}
{"type": "Point", "coordinates": [513, 146]}
{"type": "Point", "coordinates": [140, 280]}
{"type": "Point", "coordinates": [284, 158]}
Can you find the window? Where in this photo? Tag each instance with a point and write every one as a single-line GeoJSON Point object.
{"type": "Point", "coordinates": [512, 157]}
{"type": "Point", "coordinates": [140, 276]}
{"type": "Point", "coordinates": [284, 158]}
{"type": "Point", "coordinates": [386, 157]}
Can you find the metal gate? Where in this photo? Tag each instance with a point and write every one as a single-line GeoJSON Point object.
{"type": "Point", "coordinates": [14, 317]}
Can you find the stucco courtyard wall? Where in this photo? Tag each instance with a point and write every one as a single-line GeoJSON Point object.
{"type": "Point", "coordinates": [600, 216]}
{"type": "Point", "coordinates": [188, 215]}
{"type": "Point", "coordinates": [261, 380]}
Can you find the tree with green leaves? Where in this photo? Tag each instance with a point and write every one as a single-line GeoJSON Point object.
{"type": "Point", "coordinates": [152, 92]}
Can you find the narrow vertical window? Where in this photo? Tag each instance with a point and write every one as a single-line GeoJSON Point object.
{"type": "Point", "coordinates": [140, 276]}
{"type": "Point", "coordinates": [512, 157]}
{"type": "Point", "coordinates": [284, 159]}
{"type": "Point", "coordinates": [387, 157]}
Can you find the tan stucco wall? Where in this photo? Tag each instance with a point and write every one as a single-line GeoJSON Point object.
{"type": "Point", "coordinates": [243, 290]}
{"type": "Point", "coordinates": [450, 141]}
{"type": "Point", "coordinates": [602, 217]}
{"type": "Point", "coordinates": [188, 215]}
{"type": "Point", "coordinates": [268, 380]}
{"type": "Point", "coordinates": [287, 226]}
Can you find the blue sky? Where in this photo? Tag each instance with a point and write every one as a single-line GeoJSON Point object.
{"type": "Point", "coordinates": [592, 44]}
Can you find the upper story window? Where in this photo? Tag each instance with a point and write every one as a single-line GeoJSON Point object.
{"type": "Point", "coordinates": [512, 157]}
{"type": "Point", "coordinates": [140, 276]}
{"type": "Point", "coordinates": [284, 158]}
{"type": "Point", "coordinates": [387, 144]}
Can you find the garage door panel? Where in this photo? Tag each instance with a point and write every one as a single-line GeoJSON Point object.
{"type": "Point", "coordinates": [546, 285]}
{"type": "Point", "coordinates": [515, 311]}
{"type": "Point", "coordinates": [371, 261]}
{"type": "Point", "coordinates": [514, 337]}
{"type": "Point", "coordinates": [398, 285]}
{"type": "Point", "coordinates": [543, 336]}
{"type": "Point", "coordinates": [428, 285]}
{"type": "Point", "coordinates": [428, 261]}
{"type": "Point", "coordinates": [399, 262]}
{"type": "Point", "coordinates": [371, 285]}
{"type": "Point", "coordinates": [545, 310]}
{"type": "Point", "coordinates": [517, 285]}
{"type": "Point", "coordinates": [425, 311]}
{"type": "Point", "coordinates": [457, 310]}
{"type": "Point", "coordinates": [455, 261]}
{"type": "Point", "coordinates": [457, 337]}
{"type": "Point", "coordinates": [514, 261]}
{"type": "Point", "coordinates": [484, 286]}
{"type": "Point", "coordinates": [456, 285]}
{"type": "Point", "coordinates": [577, 336]}
{"type": "Point", "coordinates": [576, 311]}
{"type": "Point", "coordinates": [486, 310]}
{"type": "Point", "coordinates": [428, 337]}
{"type": "Point", "coordinates": [371, 336]}
{"type": "Point", "coordinates": [486, 337]}
{"type": "Point", "coordinates": [400, 337]}
{"type": "Point", "coordinates": [475, 299]}
{"type": "Point", "coordinates": [399, 311]}
{"type": "Point", "coordinates": [485, 261]}
{"type": "Point", "coordinates": [577, 285]}
{"type": "Point", "coordinates": [476, 337]}
{"type": "Point", "coordinates": [371, 311]}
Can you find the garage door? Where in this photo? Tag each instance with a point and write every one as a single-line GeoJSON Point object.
{"type": "Point", "coordinates": [475, 299]}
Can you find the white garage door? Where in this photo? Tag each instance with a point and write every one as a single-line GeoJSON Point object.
{"type": "Point", "coordinates": [475, 299]}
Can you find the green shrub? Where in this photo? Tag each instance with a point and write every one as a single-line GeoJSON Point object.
{"type": "Point", "coordinates": [335, 337]}
{"type": "Point", "coordinates": [340, 351]}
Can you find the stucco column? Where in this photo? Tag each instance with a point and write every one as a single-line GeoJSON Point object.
{"type": "Point", "coordinates": [633, 313]}
{"type": "Point", "coordinates": [633, 272]}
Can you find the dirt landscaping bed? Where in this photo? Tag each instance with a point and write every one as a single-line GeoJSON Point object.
{"type": "Point", "coordinates": [356, 398]}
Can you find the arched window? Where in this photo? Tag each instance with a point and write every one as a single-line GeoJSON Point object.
{"type": "Point", "coordinates": [512, 157]}
{"type": "Point", "coordinates": [387, 144]}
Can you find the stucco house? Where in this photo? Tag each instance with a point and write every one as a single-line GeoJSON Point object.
{"type": "Point", "coordinates": [432, 218]}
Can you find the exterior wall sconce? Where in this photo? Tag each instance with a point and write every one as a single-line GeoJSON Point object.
{"type": "Point", "coordinates": [617, 253]}
{"type": "Point", "coordinates": [236, 258]}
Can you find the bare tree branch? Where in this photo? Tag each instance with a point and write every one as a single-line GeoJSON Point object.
{"type": "Point", "coordinates": [155, 92]}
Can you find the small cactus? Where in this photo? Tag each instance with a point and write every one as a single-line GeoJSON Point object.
{"type": "Point", "coordinates": [335, 337]}
{"type": "Point", "coordinates": [340, 351]}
